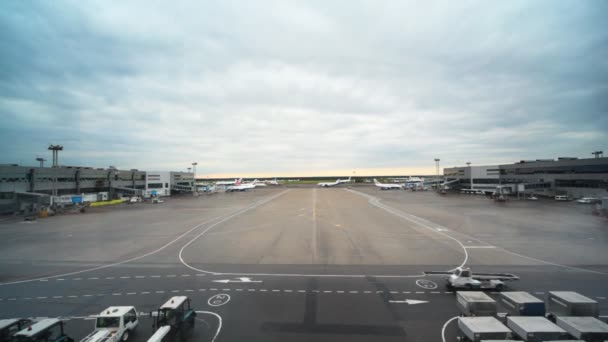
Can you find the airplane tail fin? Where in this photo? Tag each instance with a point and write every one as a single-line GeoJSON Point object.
{"type": "Point", "coordinates": [375, 181]}
{"type": "Point", "coordinates": [238, 181]}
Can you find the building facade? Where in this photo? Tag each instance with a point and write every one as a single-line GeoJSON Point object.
{"type": "Point", "coordinates": [24, 185]}
{"type": "Point", "coordinates": [547, 177]}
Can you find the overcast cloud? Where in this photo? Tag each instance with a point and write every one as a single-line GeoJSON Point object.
{"type": "Point", "coordinates": [281, 87]}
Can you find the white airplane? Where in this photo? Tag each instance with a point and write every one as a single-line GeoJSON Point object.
{"type": "Point", "coordinates": [227, 182]}
{"type": "Point", "coordinates": [385, 186]}
{"type": "Point", "coordinates": [338, 181]}
{"type": "Point", "coordinates": [240, 186]}
{"type": "Point", "coordinates": [272, 182]}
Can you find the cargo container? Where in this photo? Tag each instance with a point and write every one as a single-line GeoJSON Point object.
{"type": "Point", "coordinates": [568, 303]}
{"type": "Point", "coordinates": [475, 303]}
{"type": "Point", "coordinates": [535, 329]}
{"type": "Point", "coordinates": [477, 329]}
{"type": "Point", "coordinates": [518, 303]}
{"type": "Point", "coordinates": [589, 329]}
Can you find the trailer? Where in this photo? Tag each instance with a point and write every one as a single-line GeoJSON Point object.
{"type": "Point", "coordinates": [535, 329]}
{"type": "Point", "coordinates": [114, 324]}
{"type": "Point", "coordinates": [9, 327]}
{"type": "Point", "coordinates": [589, 329]}
{"type": "Point", "coordinates": [519, 303]}
{"type": "Point", "coordinates": [477, 329]}
{"type": "Point", "coordinates": [475, 303]}
{"type": "Point", "coordinates": [464, 278]}
{"type": "Point", "coordinates": [47, 330]}
{"type": "Point", "coordinates": [568, 303]}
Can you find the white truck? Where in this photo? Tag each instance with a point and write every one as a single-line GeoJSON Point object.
{"type": "Point", "coordinates": [464, 278]}
{"type": "Point", "coordinates": [114, 324]}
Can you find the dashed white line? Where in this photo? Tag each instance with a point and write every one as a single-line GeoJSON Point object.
{"type": "Point", "coordinates": [287, 290]}
{"type": "Point", "coordinates": [171, 276]}
{"type": "Point", "coordinates": [140, 277]}
{"type": "Point", "coordinates": [125, 277]}
{"type": "Point", "coordinates": [120, 294]}
{"type": "Point", "coordinates": [189, 290]}
{"type": "Point", "coordinates": [93, 278]}
{"type": "Point", "coordinates": [131, 293]}
{"type": "Point", "coordinates": [154, 276]}
{"type": "Point", "coordinates": [145, 292]}
{"type": "Point", "coordinates": [185, 275]}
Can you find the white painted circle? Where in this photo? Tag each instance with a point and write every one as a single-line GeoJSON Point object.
{"type": "Point", "coordinates": [219, 299]}
{"type": "Point", "coordinates": [426, 284]}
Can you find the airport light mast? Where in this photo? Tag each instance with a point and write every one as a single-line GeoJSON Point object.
{"type": "Point", "coordinates": [41, 160]}
{"type": "Point", "coordinates": [55, 149]}
{"type": "Point", "coordinates": [598, 154]}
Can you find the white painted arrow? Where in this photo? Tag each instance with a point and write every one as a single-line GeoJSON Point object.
{"type": "Point", "coordinates": [408, 301]}
{"type": "Point", "coordinates": [239, 280]}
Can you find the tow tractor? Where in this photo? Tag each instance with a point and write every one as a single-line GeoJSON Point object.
{"type": "Point", "coordinates": [174, 320]}
{"type": "Point", "coordinates": [47, 330]}
{"type": "Point", "coordinates": [9, 327]}
{"type": "Point", "coordinates": [463, 278]}
{"type": "Point", "coordinates": [114, 324]}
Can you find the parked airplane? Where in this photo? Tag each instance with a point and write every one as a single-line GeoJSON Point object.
{"type": "Point", "coordinates": [240, 186]}
{"type": "Point", "coordinates": [386, 186]}
{"type": "Point", "coordinates": [227, 182]}
{"type": "Point", "coordinates": [338, 181]}
{"type": "Point", "coordinates": [272, 182]}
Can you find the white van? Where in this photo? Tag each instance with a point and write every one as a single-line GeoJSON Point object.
{"type": "Point", "coordinates": [562, 198]}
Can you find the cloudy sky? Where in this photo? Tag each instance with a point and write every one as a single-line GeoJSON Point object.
{"type": "Point", "coordinates": [301, 88]}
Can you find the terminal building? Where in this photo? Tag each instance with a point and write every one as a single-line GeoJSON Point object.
{"type": "Point", "coordinates": [21, 186]}
{"type": "Point", "coordinates": [546, 177]}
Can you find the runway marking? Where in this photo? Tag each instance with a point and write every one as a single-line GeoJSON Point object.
{"type": "Point", "coordinates": [479, 247]}
{"type": "Point", "coordinates": [140, 277]}
{"type": "Point", "coordinates": [375, 201]}
{"type": "Point", "coordinates": [253, 206]}
{"type": "Point", "coordinates": [125, 277]}
{"type": "Point", "coordinates": [120, 262]}
{"type": "Point", "coordinates": [219, 325]}
{"type": "Point", "coordinates": [154, 276]}
{"type": "Point", "coordinates": [274, 291]}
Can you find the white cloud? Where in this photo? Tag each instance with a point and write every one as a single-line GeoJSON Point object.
{"type": "Point", "coordinates": [302, 86]}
